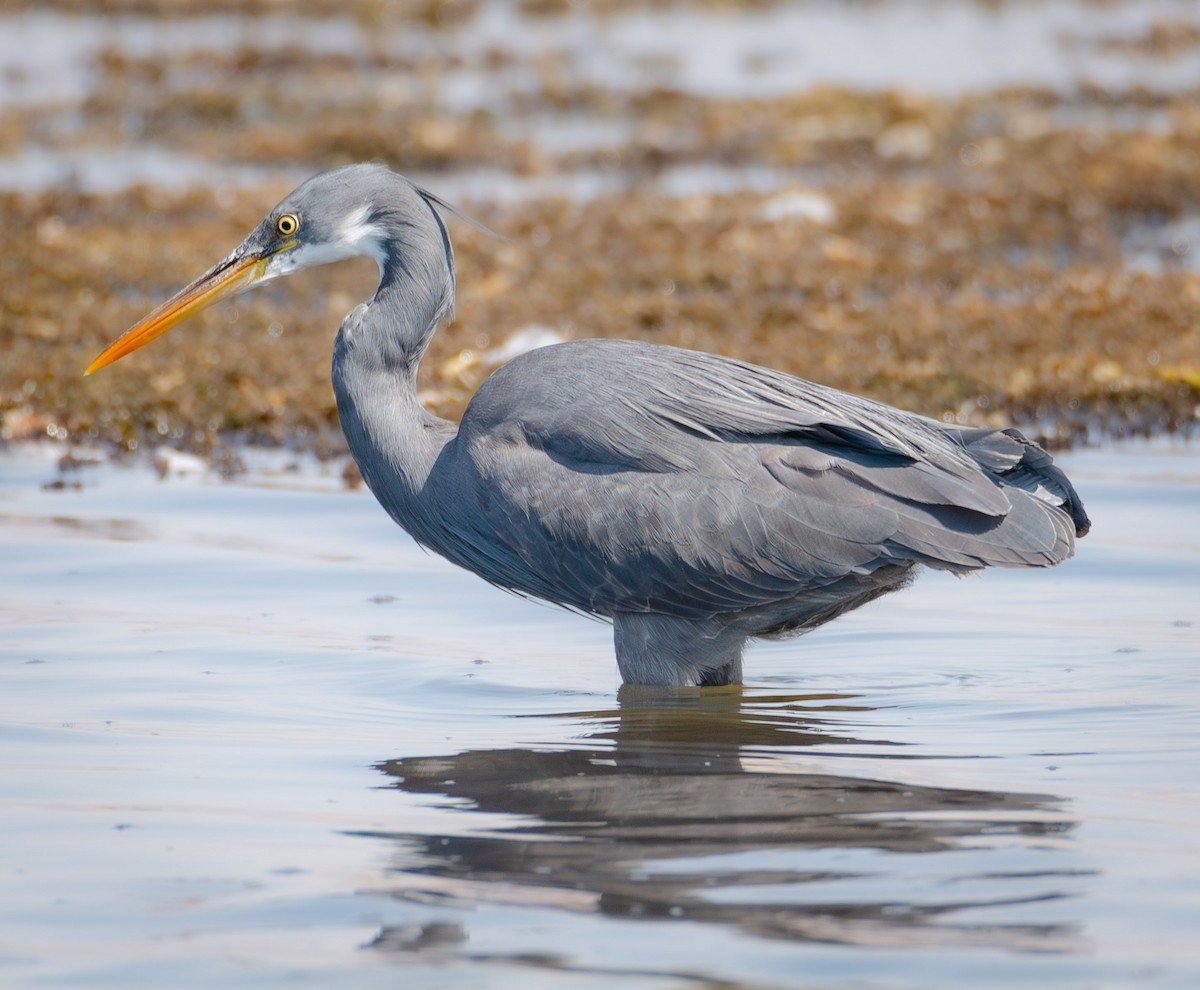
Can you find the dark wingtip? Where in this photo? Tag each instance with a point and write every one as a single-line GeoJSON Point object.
{"type": "Point", "coordinates": [1072, 505]}
{"type": "Point", "coordinates": [1034, 457]}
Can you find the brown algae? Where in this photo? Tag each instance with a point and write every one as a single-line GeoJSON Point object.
{"type": "Point", "coordinates": [967, 258]}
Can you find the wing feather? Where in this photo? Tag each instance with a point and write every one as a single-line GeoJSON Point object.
{"type": "Point", "coordinates": [630, 477]}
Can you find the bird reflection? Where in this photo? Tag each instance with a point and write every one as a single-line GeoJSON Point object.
{"type": "Point", "coordinates": [695, 805]}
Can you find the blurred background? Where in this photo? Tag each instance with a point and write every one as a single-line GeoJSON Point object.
{"type": "Point", "coordinates": [983, 211]}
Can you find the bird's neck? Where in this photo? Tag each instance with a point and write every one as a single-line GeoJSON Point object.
{"type": "Point", "coordinates": [394, 440]}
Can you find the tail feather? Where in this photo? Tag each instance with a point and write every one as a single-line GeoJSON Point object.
{"type": "Point", "coordinates": [1017, 461]}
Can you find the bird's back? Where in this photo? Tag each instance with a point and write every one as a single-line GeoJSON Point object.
{"type": "Point", "coordinates": [616, 476]}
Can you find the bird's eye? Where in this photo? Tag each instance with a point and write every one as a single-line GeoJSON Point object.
{"type": "Point", "coordinates": [287, 225]}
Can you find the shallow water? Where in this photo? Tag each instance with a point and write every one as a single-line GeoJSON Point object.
{"type": "Point", "coordinates": [252, 735]}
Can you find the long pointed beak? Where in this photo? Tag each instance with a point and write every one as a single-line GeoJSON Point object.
{"type": "Point", "coordinates": [237, 272]}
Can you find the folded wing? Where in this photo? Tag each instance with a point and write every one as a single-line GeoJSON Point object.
{"type": "Point", "coordinates": [627, 477]}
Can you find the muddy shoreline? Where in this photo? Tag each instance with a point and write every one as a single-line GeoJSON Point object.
{"type": "Point", "coordinates": [1021, 255]}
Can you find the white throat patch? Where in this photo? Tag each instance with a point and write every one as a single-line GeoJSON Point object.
{"type": "Point", "coordinates": [357, 230]}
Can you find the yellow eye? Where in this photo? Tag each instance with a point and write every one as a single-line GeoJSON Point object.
{"type": "Point", "coordinates": [287, 225]}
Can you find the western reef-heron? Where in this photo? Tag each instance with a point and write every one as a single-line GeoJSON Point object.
{"type": "Point", "coordinates": [694, 500]}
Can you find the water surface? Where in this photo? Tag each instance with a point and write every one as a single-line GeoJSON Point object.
{"type": "Point", "coordinates": [249, 733]}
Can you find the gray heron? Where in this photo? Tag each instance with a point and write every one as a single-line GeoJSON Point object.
{"type": "Point", "coordinates": [694, 500]}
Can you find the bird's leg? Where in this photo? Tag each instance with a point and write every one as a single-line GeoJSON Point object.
{"type": "Point", "coordinates": [663, 649]}
{"type": "Point", "coordinates": [730, 673]}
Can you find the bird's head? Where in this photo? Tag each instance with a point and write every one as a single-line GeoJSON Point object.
{"type": "Point", "coordinates": [348, 212]}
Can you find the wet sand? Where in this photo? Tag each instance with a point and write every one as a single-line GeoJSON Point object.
{"type": "Point", "coordinates": [1008, 238]}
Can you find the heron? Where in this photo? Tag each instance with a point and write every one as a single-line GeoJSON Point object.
{"type": "Point", "coordinates": [695, 501]}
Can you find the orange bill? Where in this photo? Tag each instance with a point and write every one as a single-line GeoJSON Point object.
{"type": "Point", "coordinates": [231, 275]}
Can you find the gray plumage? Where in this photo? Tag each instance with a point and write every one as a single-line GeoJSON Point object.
{"type": "Point", "coordinates": [694, 500]}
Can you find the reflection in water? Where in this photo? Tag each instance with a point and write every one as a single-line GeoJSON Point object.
{"type": "Point", "coordinates": [687, 805]}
